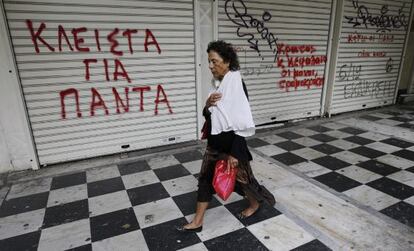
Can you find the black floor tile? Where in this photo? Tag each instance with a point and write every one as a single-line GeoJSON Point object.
{"type": "Point", "coordinates": [327, 148]}
{"type": "Point", "coordinates": [378, 167]}
{"type": "Point", "coordinates": [331, 162]}
{"type": "Point", "coordinates": [113, 224]}
{"type": "Point", "coordinates": [145, 194]}
{"type": "Point", "coordinates": [289, 145]}
{"type": "Point", "coordinates": [68, 180]}
{"type": "Point", "coordinates": [164, 236]}
{"type": "Point", "coordinates": [394, 113]}
{"type": "Point", "coordinates": [401, 119]}
{"type": "Point", "coordinates": [359, 140]}
{"type": "Point", "coordinates": [319, 128]}
{"type": "Point", "coordinates": [322, 137]}
{"type": "Point", "coordinates": [187, 202]}
{"type": "Point", "coordinates": [397, 142]}
{"type": "Point", "coordinates": [240, 239]}
{"type": "Point", "coordinates": [369, 117]}
{"type": "Point", "coordinates": [406, 154]}
{"type": "Point", "coordinates": [105, 186]}
{"type": "Point", "coordinates": [171, 172]}
{"type": "Point", "coordinates": [411, 169]}
{"type": "Point", "coordinates": [265, 212]}
{"type": "Point", "coordinates": [66, 213]}
{"type": "Point", "coordinates": [352, 130]}
{"type": "Point", "coordinates": [24, 204]}
{"type": "Point", "coordinates": [289, 135]}
{"type": "Point", "coordinates": [337, 181]}
{"type": "Point", "coordinates": [87, 247]}
{"type": "Point", "coordinates": [289, 158]}
{"type": "Point", "coordinates": [403, 212]}
{"type": "Point", "coordinates": [254, 142]}
{"type": "Point", "coordinates": [25, 242]}
{"type": "Point", "coordinates": [188, 156]}
{"type": "Point", "coordinates": [314, 245]}
{"type": "Point", "coordinates": [407, 125]}
{"type": "Point", "coordinates": [367, 152]}
{"type": "Point", "coordinates": [134, 167]}
{"type": "Point", "coordinates": [392, 187]}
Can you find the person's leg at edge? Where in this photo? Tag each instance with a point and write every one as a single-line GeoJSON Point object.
{"type": "Point", "coordinates": [199, 216]}
{"type": "Point", "coordinates": [253, 205]}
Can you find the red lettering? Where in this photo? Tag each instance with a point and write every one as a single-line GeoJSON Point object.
{"type": "Point", "coordinates": [149, 34]}
{"type": "Point", "coordinates": [36, 36]}
{"type": "Point", "coordinates": [106, 69]}
{"type": "Point", "coordinates": [86, 63]}
{"type": "Point", "coordinates": [79, 41]}
{"type": "Point", "coordinates": [118, 100]}
{"type": "Point", "coordinates": [158, 100]}
{"type": "Point", "coordinates": [98, 44]}
{"type": "Point", "coordinates": [118, 65]}
{"type": "Point", "coordinates": [62, 32]}
{"type": "Point", "coordinates": [63, 94]}
{"type": "Point", "coordinates": [114, 42]}
{"type": "Point", "coordinates": [128, 34]}
{"type": "Point", "coordinates": [100, 102]}
{"type": "Point", "coordinates": [141, 91]}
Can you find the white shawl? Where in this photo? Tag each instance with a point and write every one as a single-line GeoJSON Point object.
{"type": "Point", "coordinates": [232, 112]}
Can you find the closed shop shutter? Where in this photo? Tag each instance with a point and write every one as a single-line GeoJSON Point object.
{"type": "Point", "coordinates": [282, 47]}
{"type": "Point", "coordinates": [371, 46]}
{"type": "Point", "coordinates": [102, 76]}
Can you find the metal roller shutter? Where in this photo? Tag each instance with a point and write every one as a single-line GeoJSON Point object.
{"type": "Point", "coordinates": [371, 46]}
{"type": "Point", "coordinates": [282, 47]}
{"type": "Point", "coordinates": [108, 76]}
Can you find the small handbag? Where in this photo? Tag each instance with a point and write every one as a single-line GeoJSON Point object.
{"type": "Point", "coordinates": [223, 180]}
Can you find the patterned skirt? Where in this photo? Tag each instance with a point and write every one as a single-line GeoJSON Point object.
{"type": "Point", "coordinates": [246, 183]}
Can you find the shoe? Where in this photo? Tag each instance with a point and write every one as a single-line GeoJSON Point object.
{"type": "Point", "coordinates": [189, 230]}
{"type": "Point", "coordinates": [241, 216]}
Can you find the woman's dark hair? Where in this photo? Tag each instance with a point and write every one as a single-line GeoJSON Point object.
{"type": "Point", "coordinates": [227, 52]}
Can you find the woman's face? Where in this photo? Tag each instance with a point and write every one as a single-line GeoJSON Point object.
{"type": "Point", "coordinates": [217, 66]}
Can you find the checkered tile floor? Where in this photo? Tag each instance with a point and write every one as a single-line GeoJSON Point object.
{"type": "Point", "coordinates": [374, 169]}
{"type": "Point", "coordinates": [136, 206]}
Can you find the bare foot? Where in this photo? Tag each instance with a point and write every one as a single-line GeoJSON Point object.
{"type": "Point", "coordinates": [250, 211]}
{"type": "Point", "coordinates": [192, 225]}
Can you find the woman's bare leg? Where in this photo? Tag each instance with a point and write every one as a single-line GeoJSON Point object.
{"type": "Point", "coordinates": [253, 206]}
{"type": "Point", "coordinates": [199, 216]}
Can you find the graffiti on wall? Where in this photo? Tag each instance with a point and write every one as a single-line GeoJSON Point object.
{"type": "Point", "coordinates": [73, 40]}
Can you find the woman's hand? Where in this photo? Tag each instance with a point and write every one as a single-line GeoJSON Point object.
{"type": "Point", "coordinates": [232, 163]}
{"type": "Point", "coordinates": [212, 100]}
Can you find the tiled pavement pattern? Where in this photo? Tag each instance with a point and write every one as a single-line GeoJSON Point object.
{"type": "Point", "coordinates": [136, 206]}
{"type": "Point", "coordinates": [374, 169]}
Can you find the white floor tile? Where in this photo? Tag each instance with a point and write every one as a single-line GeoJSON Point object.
{"type": "Point", "coordinates": [162, 161]}
{"type": "Point", "coordinates": [280, 233]}
{"type": "Point", "coordinates": [233, 198]}
{"type": "Point", "coordinates": [305, 141]}
{"type": "Point", "coordinates": [338, 134]}
{"type": "Point", "coordinates": [343, 144]}
{"type": "Point", "coordinates": [131, 241]}
{"type": "Point", "coordinates": [67, 194]}
{"type": "Point", "coordinates": [197, 247]}
{"type": "Point", "coordinates": [371, 197]}
{"type": "Point", "coordinates": [65, 236]}
{"type": "Point", "coordinates": [181, 185]}
{"type": "Point", "coordinates": [29, 187]}
{"type": "Point", "coordinates": [389, 122]}
{"type": "Point", "coordinates": [308, 153]}
{"type": "Point", "coordinates": [217, 221]}
{"type": "Point", "coordinates": [386, 148]}
{"type": "Point", "coordinates": [334, 125]}
{"type": "Point", "coordinates": [410, 200]}
{"type": "Point", "coordinates": [194, 166]}
{"type": "Point", "coordinates": [272, 139]}
{"type": "Point", "coordinates": [404, 177]}
{"type": "Point", "coordinates": [102, 173]}
{"type": "Point", "coordinates": [19, 224]}
{"type": "Point", "coordinates": [270, 150]}
{"type": "Point", "coordinates": [157, 212]}
{"type": "Point", "coordinates": [108, 203]}
{"type": "Point", "coordinates": [374, 136]}
{"type": "Point", "coordinates": [381, 115]}
{"type": "Point", "coordinates": [305, 132]}
{"type": "Point", "coordinates": [359, 174]}
{"type": "Point", "coordinates": [396, 161]}
{"type": "Point", "coordinates": [350, 157]}
{"type": "Point", "coordinates": [139, 179]}
{"type": "Point", "coordinates": [310, 169]}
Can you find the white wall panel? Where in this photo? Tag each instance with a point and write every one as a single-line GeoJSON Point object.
{"type": "Point", "coordinates": [159, 56]}
{"type": "Point", "coordinates": [274, 24]}
{"type": "Point", "coordinates": [371, 47]}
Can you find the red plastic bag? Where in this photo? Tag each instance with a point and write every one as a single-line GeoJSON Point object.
{"type": "Point", "coordinates": [224, 181]}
